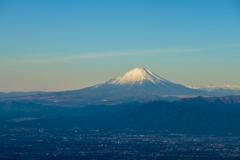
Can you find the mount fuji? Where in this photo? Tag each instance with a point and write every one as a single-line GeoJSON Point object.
{"type": "Point", "coordinates": [141, 81]}
{"type": "Point", "coordinates": [137, 85]}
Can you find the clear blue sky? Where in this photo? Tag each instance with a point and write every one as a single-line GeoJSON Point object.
{"type": "Point", "coordinates": [64, 45]}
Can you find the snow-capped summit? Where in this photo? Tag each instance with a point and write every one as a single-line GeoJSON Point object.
{"type": "Point", "coordinates": [138, 76]}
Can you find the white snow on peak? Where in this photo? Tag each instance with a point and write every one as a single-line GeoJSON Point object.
{"type": "Point", "coordinates": [138, 76]}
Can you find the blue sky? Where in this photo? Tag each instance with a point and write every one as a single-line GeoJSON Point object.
{"type": "Point", "coordinates": [64, 45]}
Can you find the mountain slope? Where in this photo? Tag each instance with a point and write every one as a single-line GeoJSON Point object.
{"type": "Point", "coordinates": [139, 84]}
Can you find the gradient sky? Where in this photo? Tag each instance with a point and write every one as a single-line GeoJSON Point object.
{"type": "Point", "coordinates": [64, 45]}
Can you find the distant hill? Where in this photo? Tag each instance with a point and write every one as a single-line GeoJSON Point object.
{"type": "Point", "coordinates": [18, 94]}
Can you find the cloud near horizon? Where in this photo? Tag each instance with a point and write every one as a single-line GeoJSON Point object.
{"type": "Point", "coordinates": [100, 55]}
{"type": "Point", "coordinates": [225, 86]}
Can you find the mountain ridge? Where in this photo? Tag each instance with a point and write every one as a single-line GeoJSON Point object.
{"type": "Point", "coordinates": [192, 115]}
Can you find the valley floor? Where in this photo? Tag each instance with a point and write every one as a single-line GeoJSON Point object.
{"type": "Point", "coordinates": [37, 143]}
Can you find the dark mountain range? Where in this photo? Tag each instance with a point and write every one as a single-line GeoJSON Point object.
{"type": "Point", "coordinates": [15, 111]}
{"type": "Point", "coordinates": [191, 115]}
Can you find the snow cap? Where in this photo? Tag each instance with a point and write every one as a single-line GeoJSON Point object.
{"type": "Point", "coordinates": [138, 76]}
